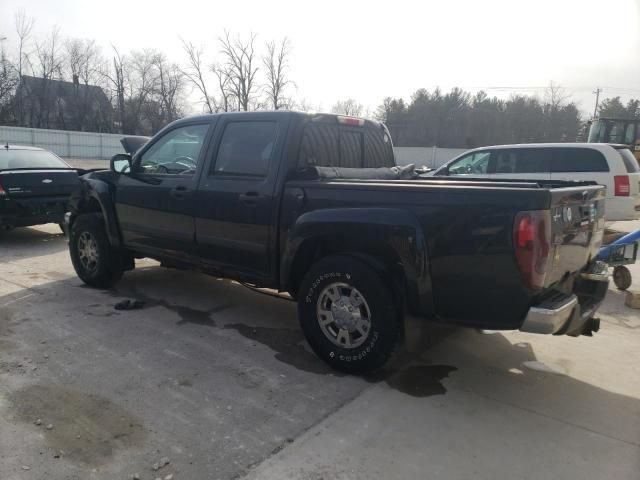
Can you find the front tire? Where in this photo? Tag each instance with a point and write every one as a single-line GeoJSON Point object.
{"type": "Point", "coordinates": [95, 261]}
{"type": "Point", "coordinates": [348, 315]}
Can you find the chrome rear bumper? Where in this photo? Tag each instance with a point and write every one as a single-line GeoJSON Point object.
{"type": "Point", "coordinates": [549, 320]}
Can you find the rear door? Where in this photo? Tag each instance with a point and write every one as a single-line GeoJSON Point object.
{"type": "Point", "coordinates": [521, 163]}
{"type": "Point", "coordinates": [235, 206]}
{"type": "Point", "coordinates": [155, 205]}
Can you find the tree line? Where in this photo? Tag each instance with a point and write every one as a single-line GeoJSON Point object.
{"type": "Point", "coordinates": [56, 82]}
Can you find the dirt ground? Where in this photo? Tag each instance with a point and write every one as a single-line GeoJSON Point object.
{"type": "Point", "coordinates": [217, 380]}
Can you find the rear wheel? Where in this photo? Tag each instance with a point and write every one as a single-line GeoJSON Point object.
{"type": "Point", "coordinates": [348, 315]}
{"type": "Point", "coordinates": [95, 261]}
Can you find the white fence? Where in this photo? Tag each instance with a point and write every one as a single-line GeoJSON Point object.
{"type": "Point", "coordinates": [84, 145]}
{"type": "Point", "coordinates": [102, 146]}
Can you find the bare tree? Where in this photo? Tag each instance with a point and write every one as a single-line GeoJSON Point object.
{"type": "Point", "coordinates": [276, 64]}
{"type": "Point", "coordinates": [24, 26]}
{"type": "Point", "coordinates": [119, 83]}
{"type": "Point", "coordinates": [555, 96]}
{"type": "Point", "coordinates": [142, 81]}
{"type": "Point", "coordinates": [47, 67]}
{"type": "Point", "coordinates": [194, 73]}
{"type": "Point", "coordinates": [348, 107]}
{"type": "Point", "coordinates": [169, 88]}
{"type": "Point", "coordinates": [239, 61]}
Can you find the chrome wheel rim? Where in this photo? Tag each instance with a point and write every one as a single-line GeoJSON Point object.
{"type": "Point", "coordinates": [343, 315]}
{"type": "Point", "coordinates": [88, 251]}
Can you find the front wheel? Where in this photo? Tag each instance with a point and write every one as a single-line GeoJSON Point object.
{"type": "Point", "coordinates": [348, 315]}
{"type": "Point", "coordinates": [95, 261]}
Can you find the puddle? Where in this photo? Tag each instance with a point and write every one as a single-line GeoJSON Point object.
{"type": "Point", "coordinates": [287, 343]}
{"type": "Point", "coordinates": [421, 380]}
{"type": "Point", "coordinates": [102, 427]}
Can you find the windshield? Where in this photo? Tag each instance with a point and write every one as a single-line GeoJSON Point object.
{"type": "Point", "coordinates": [12, 159]}
{"type": "Point", "coordinates": [612, 131]}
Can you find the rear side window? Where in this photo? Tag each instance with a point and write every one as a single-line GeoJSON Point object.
{"type": "Point", "coordinates": [523, 160]}
{"type": "Point", "coordinates": [578, 160]}
{"type": "Point", "coordinates": [246, 148]}
{"type": "Point", "coordinates": [326, 145]}
{"type": "Point", "coordinates": [630, 162]}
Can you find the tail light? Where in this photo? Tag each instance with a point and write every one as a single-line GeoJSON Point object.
{"type": "Point", "coordinates": [532, 245]}
{"type": "Point", "coordinates": [621, 183]}
{"type": "Point", "coordinates": [2, 191]}
{"type": "Point", "coordinates": [351, 121]}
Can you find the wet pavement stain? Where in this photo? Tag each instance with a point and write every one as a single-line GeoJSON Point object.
{"type": "Point", "coordinates": [87, 428]}
{"type": "Point", "coordinates": [420, 380]}
{"type": "Point", "coordinates": [186, 314]}
{"type": "Point", "coordinates": [287, 343]}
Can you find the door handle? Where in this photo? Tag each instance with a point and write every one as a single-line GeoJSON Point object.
{"type": "Point", "coordinates": [249, 198]}
{"type": "Point", "coordinates": [179, 192]}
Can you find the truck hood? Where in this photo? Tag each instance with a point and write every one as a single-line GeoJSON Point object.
{"type": "Point", "coordinates": [132, 144]}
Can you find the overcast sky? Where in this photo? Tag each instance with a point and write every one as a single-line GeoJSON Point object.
{"type": "Point", "coordinates": [368, 50]}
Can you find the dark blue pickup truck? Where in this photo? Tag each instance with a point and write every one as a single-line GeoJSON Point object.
{"type": "Point", "coordinates": [313, 205]}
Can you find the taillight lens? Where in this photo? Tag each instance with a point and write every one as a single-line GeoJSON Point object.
{"type": "Point", "coordinates": [621, 183]}
{"type": "Point", "coordinates": [2, 191]}
{"type": "Point", "coordinates": [532, 245]}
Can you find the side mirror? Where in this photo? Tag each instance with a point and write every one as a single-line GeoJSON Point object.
{"type": "Point", "coordinates": [121, 163]}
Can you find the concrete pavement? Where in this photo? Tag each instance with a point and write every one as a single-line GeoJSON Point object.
{"type": "Point", "coordinates": [218, 379]}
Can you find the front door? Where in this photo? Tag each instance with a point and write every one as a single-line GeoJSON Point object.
{"type": "Point", "coordinates": [236, 208]}
{"type": "Point", "coordinates": [155, 204]}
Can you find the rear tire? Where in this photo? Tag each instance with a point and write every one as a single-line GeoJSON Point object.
{"type": "Point", "coordinates": [348, 315]}
{"type": "Point", "coordinates": [95, 261]}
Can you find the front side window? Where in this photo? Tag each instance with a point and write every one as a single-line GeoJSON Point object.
{"type": "Point", "coordinates": [246, 149]}
{"type": "Point", "coordinates": [176, 152]}
{"type": "Point", "coordinates": [473, 164]}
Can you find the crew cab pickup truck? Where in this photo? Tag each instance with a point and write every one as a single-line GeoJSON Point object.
{"type": "Point", "coordinates": [314, 205]}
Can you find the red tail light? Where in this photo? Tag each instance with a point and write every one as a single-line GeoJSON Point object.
{"type": "Point", "coordinates": [352, 121]}
{"type": "Point", "coordinates": [621, 183]}
{"type": "Point", "coordinates": [532, 244]}
{"type": "Point", "coordinates": [2, 191]}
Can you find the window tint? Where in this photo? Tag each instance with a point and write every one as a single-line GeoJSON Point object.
{"type": "Point", "coordinates": [10, 158]}
{"type": "Point", "coordinates": [473, 164]}
{"type": "Point", "coordinates": [630, 162]}
{"type": "Point", "coordinates": [378, 151]}
{"type": "Point", "coordinates": [246, 148]}
{"type": "Point", "coordinates": [351, 149]}
{"type": "Point", "coordinates": [630, 134]}
{"type": "Point", "coordinates": [176, 152]}
{"type": "Point", "coordinates": [523, 160]}
{"type": "Point", "coordinates": [578, 160]}
{"type": "Point", "coordinates": [325, 145]}
{"type": "Point", "coordinates": [319, 146]}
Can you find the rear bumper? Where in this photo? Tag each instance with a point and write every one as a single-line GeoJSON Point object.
{"type": "Point", "coordinates": [33, 211]}
{"type": "Point", "coordinates": [570, 314]}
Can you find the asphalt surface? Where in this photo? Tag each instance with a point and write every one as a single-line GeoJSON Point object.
{"type": "Point", "coordinates": [217, 379]}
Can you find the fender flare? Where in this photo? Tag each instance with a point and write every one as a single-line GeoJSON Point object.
{"type": "Point", "coordinates": [390, 236]}
{"type": "Point", "coordinates": [100, 192]}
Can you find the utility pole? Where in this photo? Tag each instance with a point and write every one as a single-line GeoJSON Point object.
{"type": "Point", "coordinates": [597, 92]}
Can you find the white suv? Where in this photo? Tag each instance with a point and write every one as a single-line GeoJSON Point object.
{"type": "Point", "coordinates": [613, 166]}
